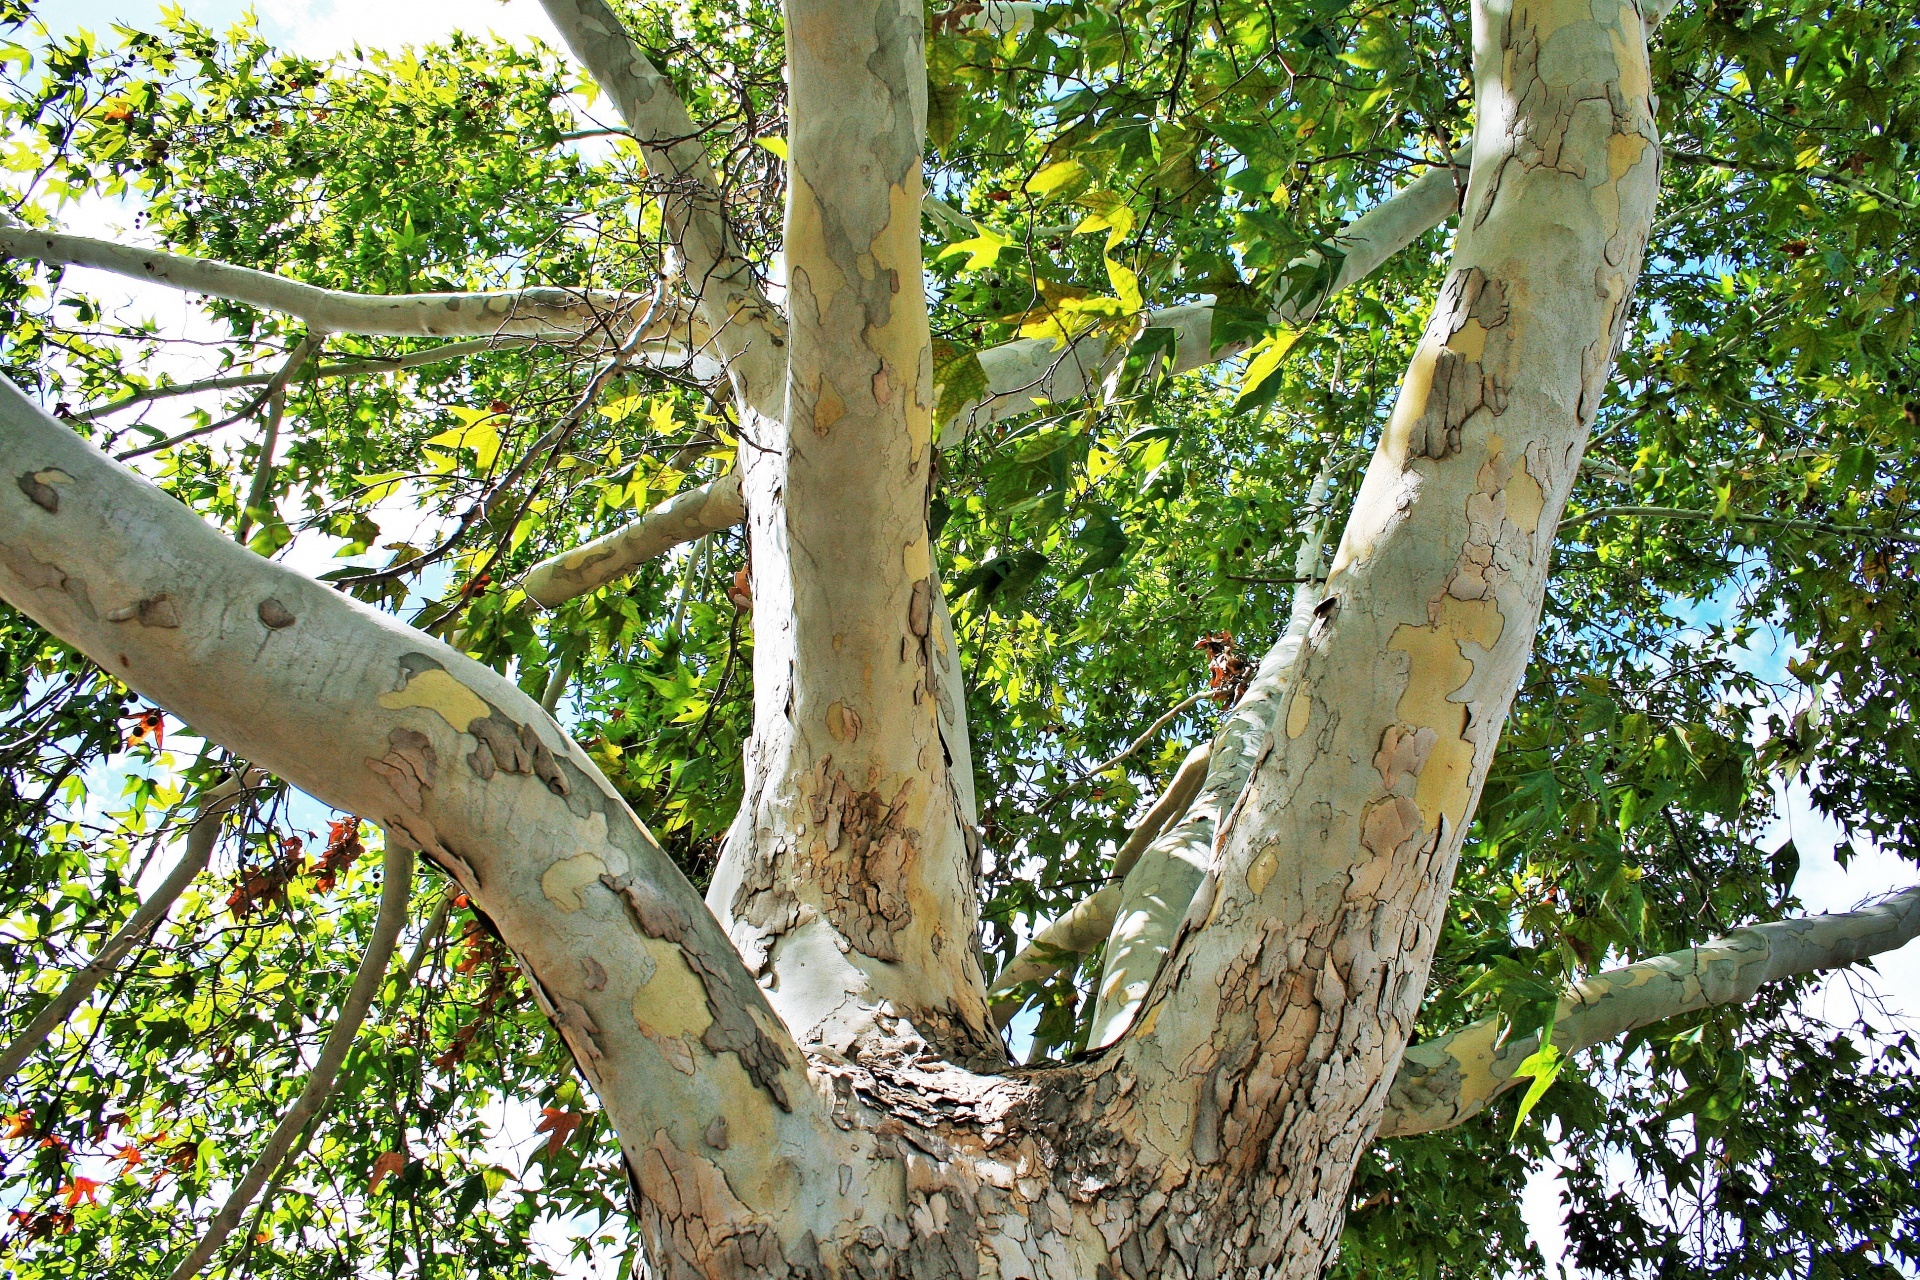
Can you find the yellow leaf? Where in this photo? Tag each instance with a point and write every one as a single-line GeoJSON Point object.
{"type": "Point", "coordinates": [1055, 176]}
{"type": "Point", "coordinates": [1126, 286]}
{"type": "Point", "coordinates": [983, 250]}
{"type": "Point", "coordinates": [775, 144]}
{"type": "Point", "coordinates": [623, 408]}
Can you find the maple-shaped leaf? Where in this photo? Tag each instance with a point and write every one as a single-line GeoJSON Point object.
{"type": "Point", "coordinates": [130, 1157]}
{"type": "Point", "coordinates": [558, 1125]}
{"type": "Point", "coordinates": [383, 1164]}
{"type": "Point", "coordinates": [79, 1190]}
{"type": "Point", "coordinates": [18, 1125]}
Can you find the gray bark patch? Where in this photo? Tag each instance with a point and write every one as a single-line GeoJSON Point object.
{"type": "Point", "coordinates": [40, 493]}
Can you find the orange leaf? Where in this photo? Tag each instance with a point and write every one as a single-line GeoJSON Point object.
{"type": "Point", "coordinates": [385, 1163]}
{"type": "Point", "coordinates": [18, 1125]}
{"type": "Point", "coordinates": [129, 1157]}
{"type": "Point", "coordinates": [80, 1189]}
{"type": "Point", "coordinates": [558, 1125]}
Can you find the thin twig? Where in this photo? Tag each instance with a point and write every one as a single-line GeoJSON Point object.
{"type": "Point", "coordinates": [353, 369]}
{"type": "Point", "coordinates": [1131, 747]}
{"type": "Point", "coordinates": [1734, 517]}
{"type": "Point", "coordinates": [395, 887]}
{"type": "Point", "coordinates": [275, 385]}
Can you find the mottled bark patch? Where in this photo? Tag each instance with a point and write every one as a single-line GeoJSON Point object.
{"type": "Point", "coordinates": [40, 490]}
{"type": "Point", "coordinates": [861, 859]}
{"type": "Point", "coordinates": [504, 744]}
{"type": "Point", "coordinates": [1472, 309]}
{"type": "Point", "coordinates": [729, 1003]}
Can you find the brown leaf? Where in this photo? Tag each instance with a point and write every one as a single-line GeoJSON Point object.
{"type": "Point", "coordinates": [383, 1164]}
{"type": "Point", "coordinates": [558, 1125]}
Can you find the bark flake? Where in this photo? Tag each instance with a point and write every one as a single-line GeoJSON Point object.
{"type": "Point", "coordinates": [732, 1028]}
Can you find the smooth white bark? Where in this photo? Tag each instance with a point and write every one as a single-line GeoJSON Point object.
{"type": "Point", "coordinates": [1447, 1080]}
{"type": "Point", "coordinates": [534, 312]}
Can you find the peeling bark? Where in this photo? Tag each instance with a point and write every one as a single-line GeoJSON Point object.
{"type": "Point", "coordinates": [1274, 1031]}
{"type": "Point", "coordinates": [847, 880]}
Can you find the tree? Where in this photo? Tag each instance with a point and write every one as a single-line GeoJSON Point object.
{"type": "Point", "coordinates": [806, 1072]}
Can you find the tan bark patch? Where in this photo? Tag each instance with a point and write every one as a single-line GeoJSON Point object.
{"type": "Point", "coordinates": [673, 1002]}
{"type": "Point", "coordinates": [436, 690]}
{"type": "Point", "coordinates": [566, 878]}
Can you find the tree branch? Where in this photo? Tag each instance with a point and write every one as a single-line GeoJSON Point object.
{"type": "Point", "coordinates": [201, 838]}
{"type": "Point", "coordinates": [1033, 371]}
{"type": "Point", "coordinates": [1735, 517]}
{"type": "Point", "coordinates": [718, 274]}
{"type": "Point", "coordinates": [542, 312]}
{"type": "Point", "coordinates": [690, 514]}
{"type": "Point", "coordinates": [276, 398]}
{"type": "Point", "coordinates": [1159, 889]}
{"type": "Point", "coordinates": [451, 756]}
{"type": "Point", "coordinates": [1444, 1081]}
{"type": "Point", "coordinates": [1085, 925]}
{"type": "Point", "coordinates": [395, 886]}
{"type": "Point", "coordinates": [353, 369]}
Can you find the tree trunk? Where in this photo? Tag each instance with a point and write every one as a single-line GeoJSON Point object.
{"type": "Point", "coordinates": [809, 1084]}
{"type": "Point", "coordinates": [847, 879]}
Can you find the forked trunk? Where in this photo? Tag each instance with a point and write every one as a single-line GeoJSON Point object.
{"type": "Point", "coordinates": [837, 1105]}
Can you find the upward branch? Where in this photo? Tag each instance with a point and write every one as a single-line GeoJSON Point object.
{"type": "Point", "coordinates": [717, 273]}
{"type": "Point", "coordinates": [1444, 1081]}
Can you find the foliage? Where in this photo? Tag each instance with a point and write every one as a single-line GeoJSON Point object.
{"type": "Point", "coordinates": [1106, 159]}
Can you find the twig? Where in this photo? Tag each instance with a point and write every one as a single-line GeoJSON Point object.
{"type": "Point", "coordinates": [275, 385]}
{"type": "Point", "coordinates": [1734, 517]}
{"type": "Point", "coordinates": [397, 872]}
{"type": "Point", "coordinates": [200, 841]}
{"type": "Point", "coordinates": [1131, 747]}
{"type": "Point", "coordinates": [354, 369]}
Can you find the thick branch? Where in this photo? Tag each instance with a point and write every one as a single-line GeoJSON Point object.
{"type": "Point", "coordinates": [200, 841]}
{"type": "Point", "coordinates": [534, 312]}
{"type": "Point", "coordinates": [396, 727]}
{"type": "Point", "coordinates": [1444, 1081]}
{"type": "Point", "coordinates": [395, 886]}
{"type": "Point", "coordinates": [745, 327]}
{"type": "Point", "coordinates": [691, 514]}
{"type": "Point", "coordinates": [1291, 984]}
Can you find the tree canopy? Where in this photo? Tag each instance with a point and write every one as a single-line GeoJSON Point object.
{"type": "Point", "coordinates": [1108, 559]}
